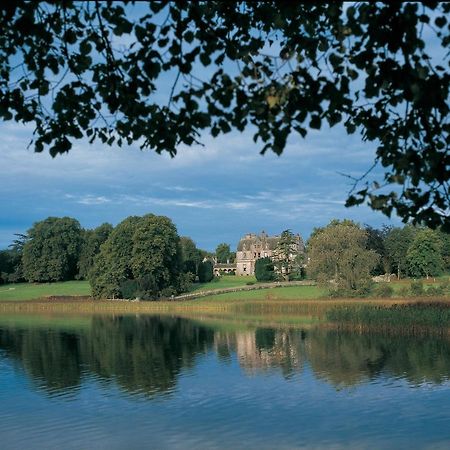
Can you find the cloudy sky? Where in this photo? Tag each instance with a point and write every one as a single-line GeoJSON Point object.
{"type": "Point", "coordinates": [214, 193]}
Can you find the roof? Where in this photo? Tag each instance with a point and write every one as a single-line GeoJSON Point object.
{"type": "Point", "coordinates": [263, 240]}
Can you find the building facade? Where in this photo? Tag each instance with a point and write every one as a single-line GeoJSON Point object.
{"type": "Point", "coordinates": [255, 246]}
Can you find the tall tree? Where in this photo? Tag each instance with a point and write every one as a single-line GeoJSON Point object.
{"type": "Point", "coordinates": [375, 242]}
{"type": "Point", "coordinates": [144, 250]}
{"type": "Point", "coordinates": [277, 68]}
{"type": "Point", "coordinates": [338, 254]}
{"type": "Point", "coordinates": [205, 271]}
{"type": "Point", "coordinates": [286, 252]}
{"type": "Point", "coordinates": [224, 254]}
{"type": "Point", "coordinates": [397, 242]}
{"type": "Point", "coordinates": [424, 256]}
{"type": "Point", "coordinates": [190, 255]}
{"type": "Point", "coordinates": [52, 250]}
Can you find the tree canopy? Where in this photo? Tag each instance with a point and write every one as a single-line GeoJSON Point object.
{"type": "Point", "coordinates": [95, 69]}
{"type": "Point", "coordinates": [224, 253]}
{"type": "Point", "coordinates": [52, 250]}
{"type": "Point", "coordinates": [338, 254]}
{"type": "Point", "coordinates": [143, 250]}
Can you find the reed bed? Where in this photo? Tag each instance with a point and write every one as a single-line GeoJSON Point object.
{"type": "Point", "coordinates": [418, 317]}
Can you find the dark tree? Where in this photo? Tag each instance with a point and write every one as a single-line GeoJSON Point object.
{"type": "Point", "coordinates": [205, 272]}
{"type": "Point", "coordinates": [375, 242]}
{"type": "Point", "coordinates": [275, 67]}
{"type": "Point", "coordinates": [52, 250]}
{"type": "Point", "coordinates": [264, 270]}
{"type": "Point", "coordinates": [190, 255]}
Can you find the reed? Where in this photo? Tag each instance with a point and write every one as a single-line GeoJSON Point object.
{"type": "Point", "coordinates": [417, 317]}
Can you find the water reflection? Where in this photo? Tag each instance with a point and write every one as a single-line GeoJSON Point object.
{"type": "Point", "coordinates": [146, 354]}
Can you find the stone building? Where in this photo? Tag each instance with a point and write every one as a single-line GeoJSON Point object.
{"type": "Point", "coordinates": [253, 247]}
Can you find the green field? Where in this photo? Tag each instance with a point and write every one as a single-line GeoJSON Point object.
{"type": "Point", "coordinates": [226, 281]}
{"type": "Point", "coordinates": [30, 291]}
{"type": "Point", "coordinates": [281, 293]}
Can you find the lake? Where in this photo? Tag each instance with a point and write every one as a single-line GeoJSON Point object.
{"type": "Point", "coordinates": [161, 382]}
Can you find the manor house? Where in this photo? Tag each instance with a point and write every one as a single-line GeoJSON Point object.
{"type": "Point", "coordinates": [253, 246]}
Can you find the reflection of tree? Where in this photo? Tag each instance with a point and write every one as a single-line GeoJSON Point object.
{"type": "Point", "coordinates": [141, 354]}
{"type": "Point", "coordinates": [52, 359]}
{"type": "Point", "coordinates": [147, 353]}
{"type": "Point", "coordinates": [346, 359]}
{"type": "Point", "coordinates": [144, 353]}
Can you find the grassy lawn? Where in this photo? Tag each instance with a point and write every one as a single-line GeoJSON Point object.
{"type": "Point", "coordinates": [30, 291]}
{"type": "Point", "coordinates": [281, 293]}
{"type": "Point", "coordinates": [226, 281]}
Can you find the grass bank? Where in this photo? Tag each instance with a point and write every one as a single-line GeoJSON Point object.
{"type": "Point", "coordinates": [32, 291]}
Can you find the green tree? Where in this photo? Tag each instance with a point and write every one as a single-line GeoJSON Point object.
{"type": "Point", "coordinates": [145, 250]}
{"type": "Point", "coordinates": [264, 269]}
{"type": "Point", "coordinates": [205, 271]}
{"type": "Point", "coordinates": [397, 242]}
{"type": "Point", "coordinates": [286, 252]}
{"type": "Point", "coordinates": [224, 254]}
{"type": "Point", "coordinates": [367, 66]}
{"type": "Point", "coordinates": [190, 255]}
{"type": "Point", "coordinates": [424, 255]}
{"type": "Point", "coordinates": [112, 266]}
{"type": "Point", "coordinates": [92, 240]}
{"type": "Point", "coordinates": [52, 250]}
{"type": "Point", "coordinates": [11, 268]}
{"type": "Point", "coordinates": [338, 254]}
{"type": "Point", "coordinates": [156, 255]}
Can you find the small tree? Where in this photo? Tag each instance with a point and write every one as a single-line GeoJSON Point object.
{"type": "Point", "coordinates": [264, 270]}
{"type": "Point", "coordinates": [424, 256]}
{"type": "Point", "coordinates": [285, 253]}
{"type": "Point", "coordinates": [205, 272]}
{"type": "Point", "coordinates": [223, 253]}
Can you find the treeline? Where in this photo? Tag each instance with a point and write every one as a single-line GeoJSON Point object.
{"type": "Point", "coordinates": [140, 257]}
{"type": "Point", "coordinates": [346, 256]}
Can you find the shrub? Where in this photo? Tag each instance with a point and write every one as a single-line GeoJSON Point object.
{"type": "Point", "coordinates": [404, 291]}
{"type": "Point", "coordinates": [250, 283]}
{"type": "Point", "coordinates": [383, 290]}
{"type": "Point", "coordinates": [416, 288]}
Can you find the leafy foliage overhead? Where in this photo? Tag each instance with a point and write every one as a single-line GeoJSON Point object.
{"type": "Point", "coordinates": [95, 69]}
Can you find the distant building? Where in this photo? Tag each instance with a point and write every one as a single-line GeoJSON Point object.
{"type": "Point", "coordinates": [224, 268]}
{"type": "Point", "coordinates": [253, 247]}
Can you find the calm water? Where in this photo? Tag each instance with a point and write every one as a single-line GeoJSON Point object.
{"type": "Point", "coordinates": [148, 382]}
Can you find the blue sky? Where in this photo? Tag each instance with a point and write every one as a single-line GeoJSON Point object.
{"type": "Point", "coordinates": [214, 193]}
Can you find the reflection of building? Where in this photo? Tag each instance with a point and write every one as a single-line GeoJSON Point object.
{"type": "Point", "coordinates": [262, 349]}
{"type": "Point", "coordinates": [253, 247]}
